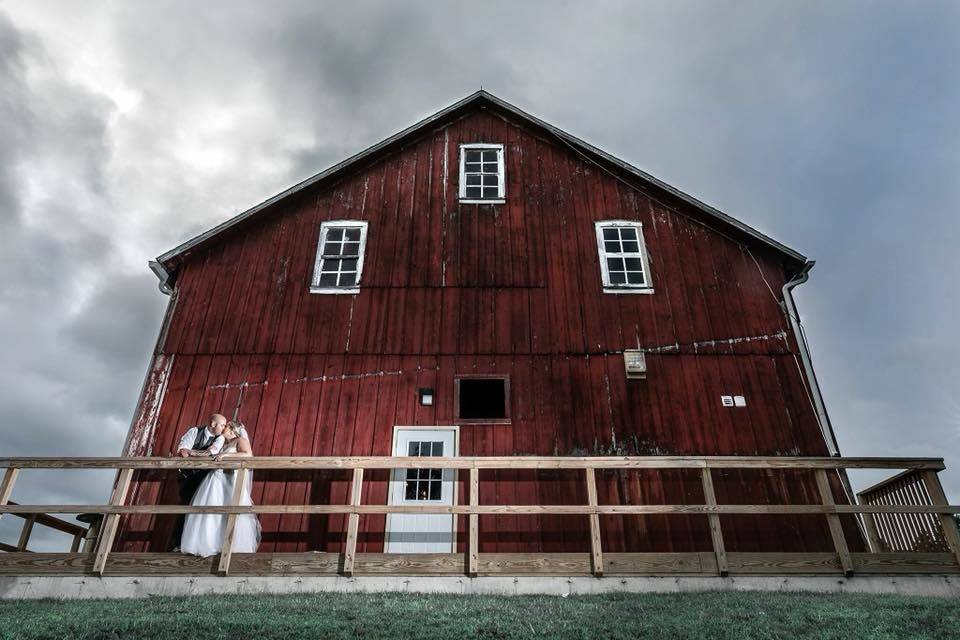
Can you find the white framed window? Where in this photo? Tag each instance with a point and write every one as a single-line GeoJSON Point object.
{"type": "Point", "coordinates": [339, 261]}
{"type": "Point", "coordinates": [624, 266]}
{"type": "Point", "coordinates": [424, 484]}
{"type": "Point", "coordinates": [482, 177]}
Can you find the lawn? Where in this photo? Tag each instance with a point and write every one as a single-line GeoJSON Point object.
{"type": "Point", "coordinates": [290, 617]}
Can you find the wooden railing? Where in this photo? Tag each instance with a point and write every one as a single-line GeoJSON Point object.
{"type": "Point", "coordinates": [905, 531]}
{"type": "Point", "coordinates": [717, 562]}
{"type": "Point", "coordinates": [78, 532]}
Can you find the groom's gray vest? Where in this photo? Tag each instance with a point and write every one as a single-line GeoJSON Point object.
{"type": "Point", "coordinates": [200, 443]}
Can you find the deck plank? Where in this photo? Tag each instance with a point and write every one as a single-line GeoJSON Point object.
{"type": "Point", "coordinates": [615, 564]}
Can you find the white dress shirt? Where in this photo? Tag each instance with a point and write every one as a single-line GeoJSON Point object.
{"type": "Point", "coordinates": [186, 442]}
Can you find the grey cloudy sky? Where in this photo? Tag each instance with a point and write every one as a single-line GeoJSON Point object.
{"type": "Point", "coordinates": [127, 127]}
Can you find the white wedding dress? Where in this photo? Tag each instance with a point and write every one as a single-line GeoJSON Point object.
{"type": "Point", "coordinates": [203, 532]}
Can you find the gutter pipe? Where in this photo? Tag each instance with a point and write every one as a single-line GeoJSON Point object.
{"type": "Point", "coordinates": [163, 276]}
{"type": "Point", "coordinates": [816, 397]}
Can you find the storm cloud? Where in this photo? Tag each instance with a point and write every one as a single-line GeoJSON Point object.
{"type": "Point", "coordinates": [126, 128]}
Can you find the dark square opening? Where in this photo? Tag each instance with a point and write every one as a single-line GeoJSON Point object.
{"type": "Point", "coordinates": [483, 398]}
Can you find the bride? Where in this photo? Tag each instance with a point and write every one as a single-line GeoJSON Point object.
{"type": "Point", "coordinates": [203, 532]}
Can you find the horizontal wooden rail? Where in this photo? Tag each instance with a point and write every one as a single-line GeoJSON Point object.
{"type": "Point", "coordinates": [47, 521]}
{"type": "Point", "coordinates": [489, 462]}
{"type": "Point", "coordinates": [718, 561]}
{"type": "Point", "coordinates": [34, 518]}
{"type": "Point", "coordinates": [487, 509]}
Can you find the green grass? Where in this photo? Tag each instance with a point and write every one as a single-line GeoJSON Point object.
{"type": "Point", "coordinates": [394, 616]}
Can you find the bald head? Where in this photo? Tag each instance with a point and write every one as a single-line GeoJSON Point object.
{"type": "Point", "coordinates": [217, 423]}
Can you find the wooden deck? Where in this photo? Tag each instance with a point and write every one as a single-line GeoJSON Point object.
{"type": "Point", "coordinates": [925, 507]}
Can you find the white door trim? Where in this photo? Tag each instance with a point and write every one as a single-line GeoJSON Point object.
{"type": "Point", "coordinates": [456, 452]}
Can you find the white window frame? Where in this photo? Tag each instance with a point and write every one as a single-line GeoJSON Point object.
{"type": "Point", "coordinates": [608, 287]}
{"type": "Point", "coordinates": [501, 171]}
{"type": "Point", "coordinates": [318, 262]}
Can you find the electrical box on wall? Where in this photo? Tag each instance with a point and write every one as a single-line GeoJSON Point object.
{"type": "Point", "coordinates": [635, 362]}
{"type": "Point", "coordinates": [733, 401]}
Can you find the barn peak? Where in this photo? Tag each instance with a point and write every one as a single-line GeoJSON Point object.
{"type": "Point", "coordinates": [166, 265]}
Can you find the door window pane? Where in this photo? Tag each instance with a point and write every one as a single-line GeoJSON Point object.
{"type": "Point", "coordinates": [424, 484]}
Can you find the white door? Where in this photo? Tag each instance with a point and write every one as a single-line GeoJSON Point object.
{"type": "Point", "coordinates": [422, 533]}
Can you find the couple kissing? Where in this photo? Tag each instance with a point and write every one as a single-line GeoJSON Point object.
{"type": "Point", "coordinates": [201, 534]}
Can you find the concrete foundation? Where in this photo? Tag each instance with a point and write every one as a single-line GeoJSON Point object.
{"type": "Point", "coordinates": [125, 587]}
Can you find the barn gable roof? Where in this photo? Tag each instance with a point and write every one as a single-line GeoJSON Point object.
{"type": "Point", "coordinates": [165, 265]}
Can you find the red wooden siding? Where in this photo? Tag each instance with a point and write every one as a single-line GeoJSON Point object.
{"type": "Point", "coordinates": [513, 289]}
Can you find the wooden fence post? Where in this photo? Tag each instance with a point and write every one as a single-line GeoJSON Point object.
{"type": "Point", "coordinates": [870, 526]}
{"type": "Point", "coordinates": [716, 533]}
{"type": "Point", "coordinates": [833, 520]}
{"type": "Point", "coordinates": [93, 534]}
{"type": "Point", "coordinates": [596, 552]}
{"type": "Point", "coordinates": [350, 553]}
{"type": "Point", "coordinates": [226, 551]}
{"type": "Point", "coordinates": [110, 523]}
{"type": "Point", "coordinates": [25, 531]}
{"type": "Point", "coordinates": [6, 485]}
{"type": "Point", "coordinates": [932, 482]}
{"type": "Point", "coordinates": [473, 552]}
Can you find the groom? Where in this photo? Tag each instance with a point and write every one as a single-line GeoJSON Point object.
{"type": "Point", "coordinates": [202, 441]}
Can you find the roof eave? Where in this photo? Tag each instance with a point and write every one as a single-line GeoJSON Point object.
{"type": "Point", "coordinates": [167, 257]}
{"type": "Point", "coordinates": [643, 175]}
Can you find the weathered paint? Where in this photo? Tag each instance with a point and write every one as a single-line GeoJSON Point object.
{"type": "Point", "coordinates": [143, 428]}
{"type": "Point", "coordinates": [451, 289]}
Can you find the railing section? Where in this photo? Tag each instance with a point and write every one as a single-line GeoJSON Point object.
{"type": "Point", "coordinates": [918, 532]}
{"type": "Point", "coordinates": [78, 532]}
{"type": "Point", "coordinates": [897, 514]}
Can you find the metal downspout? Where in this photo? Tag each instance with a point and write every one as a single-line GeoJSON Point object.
{"type": "Point", "coordinates": [162, 275]}
{"type": "Point", "coordinates": [790, 307]}
{"type": "Point", "coordinates": [816, 397]}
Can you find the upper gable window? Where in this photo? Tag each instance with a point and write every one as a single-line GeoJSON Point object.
{"type": "Point", "coordinates": [481, 173]}
{"type": "Point", "coordinates": [623, 257]}
{"type": "Point", "coordinates": [339, 257]}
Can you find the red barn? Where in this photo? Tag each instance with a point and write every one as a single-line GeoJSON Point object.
{"type": "Point", "coordinates": [483, 283]}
